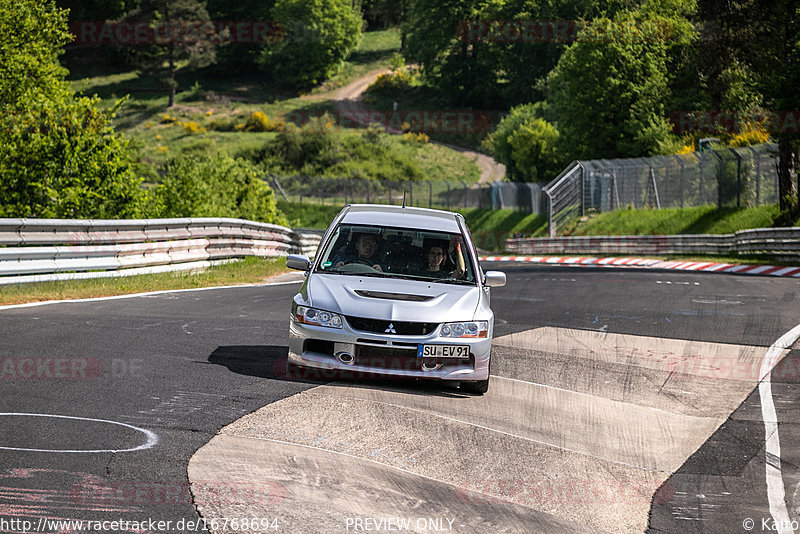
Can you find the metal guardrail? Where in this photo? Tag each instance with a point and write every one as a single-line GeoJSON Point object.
{"type": "Point", "coordinates": [56, 249]}
{"type": "Point", "coordinates": [778, 242]}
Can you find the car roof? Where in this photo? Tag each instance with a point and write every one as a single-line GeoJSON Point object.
{"type": "Point", "coordinates": [402, 217]}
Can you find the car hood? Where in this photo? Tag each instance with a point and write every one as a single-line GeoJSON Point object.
{"type": "Point", "coordinates": [386, 299]}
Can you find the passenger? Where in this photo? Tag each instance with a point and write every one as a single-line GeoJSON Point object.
{"type": "Point", "coordinates": [366, 253]}
{"type": "Point", "coordinates": [435, 256]}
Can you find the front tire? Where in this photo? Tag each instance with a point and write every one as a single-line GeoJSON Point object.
{"type": "Point", "coordinates": [478, 387]}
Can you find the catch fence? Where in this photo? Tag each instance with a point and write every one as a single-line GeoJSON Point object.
{"type": "Point", "coordinates": [428, 194]}
{"type": "Point", "coordinates": [734, 177]}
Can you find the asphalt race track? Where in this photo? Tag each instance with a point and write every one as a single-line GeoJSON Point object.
{"type": "Point", "coordinates": [621, 400]}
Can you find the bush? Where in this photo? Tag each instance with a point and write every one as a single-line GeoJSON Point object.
{"type": "Point", "coordinates": [318, 149]}
{"type": "Point", "coordinates": [61, 158]}
{"type": "Point", "coordinates": [215, 186]}
{"type": "Point", "coordinates": [400, 80]}
{"type": "Point", "coordinates": [259, 122]}
{"type": "Point", "coordinates": [526, 144]}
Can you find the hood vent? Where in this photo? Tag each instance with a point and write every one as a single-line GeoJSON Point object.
{"type": "Point", "coordinates": [392, 296]}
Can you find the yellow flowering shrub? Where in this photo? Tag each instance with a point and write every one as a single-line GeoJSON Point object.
{"type": "Point", "coordinates": [259, 122]}
{"type": "Point", "coordinates": [193, 128]}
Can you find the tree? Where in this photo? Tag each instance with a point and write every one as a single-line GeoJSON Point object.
{"type": "Point", "coordinates": [609, 89]}
{"type": "Point", "coordinates": [240, 56]}
{"type": "Point", "coordinates": [33, 34]}
{"type": "Point", "coordinates": [776, 53]}
{"type": "Point", "coordinates": [748, 55]}
{"type": "Point", "coordinates": [320, 34]}
{"type": "Point", "coordinates": [477, 52]}
{"type": "Point", "coordinates": [59, 156]}
{"type": "Point", "coordinates": [181, 31]}
{"type": "Point", "coordinates": [462, 69]}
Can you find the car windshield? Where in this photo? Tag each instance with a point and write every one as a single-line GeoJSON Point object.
{"type": "Point", "coordinates": [398, 253]}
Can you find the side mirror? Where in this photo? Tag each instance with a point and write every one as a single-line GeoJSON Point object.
{"type": "Point", "coordinates": [300, 262]}
{"type": "Point", "coordinates": [494, 279]}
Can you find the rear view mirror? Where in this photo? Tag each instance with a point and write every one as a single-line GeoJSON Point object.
{"type": "Point", "coordinates": [494, 279]}
{"type": "Point", "coordinates": [299, 262]}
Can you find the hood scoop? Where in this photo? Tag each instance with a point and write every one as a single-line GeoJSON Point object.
{"type": "Point", "coordinates": [392, 296]}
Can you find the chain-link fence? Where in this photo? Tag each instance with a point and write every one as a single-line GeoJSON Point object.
{"type": "Point", "coordinates": [429, 194]}
{"type": "Point", "coordinates": [741, 177]}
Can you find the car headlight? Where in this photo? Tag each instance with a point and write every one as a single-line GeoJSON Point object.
{"type": "Point", "coordinates": [466, 329]}
{"type": "Point", "coordinates": [306, 315]}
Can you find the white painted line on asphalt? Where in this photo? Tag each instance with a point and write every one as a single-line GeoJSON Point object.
{"type": "Point", "coordinates": [775, 489]}
{"type": "Point", "coordinates": [152, 438]}
{"type": "Point", "coordinates": [135, 295]}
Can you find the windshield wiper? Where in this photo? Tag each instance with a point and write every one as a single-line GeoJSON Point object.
{"type": "Point", "coordinates": [455, 281]}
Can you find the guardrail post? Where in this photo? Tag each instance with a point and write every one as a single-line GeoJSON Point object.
{"type": "Point", "coordinates": [757, 159]}
{"type": "Point", "coordinates": [430, 194]}
{"type": "Point", "coordinates": [700, 169]}
{"type": "Point", "coordinates": [719, 178]}
{"type": "Point", "coordinates": [655, 187]}
{"type": "Point", "coordinates": [738, 178]}
{"type": "Point", "coordinates": [583, 189]}
{"type": "Point", "coordinates": [465, 194]}
{"type": "Point", "coordinates": [680, 162]}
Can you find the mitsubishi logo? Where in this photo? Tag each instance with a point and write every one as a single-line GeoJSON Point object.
{"type": "Point", "coordinates": [390, 330]}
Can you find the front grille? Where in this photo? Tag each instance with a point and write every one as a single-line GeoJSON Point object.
{"type": "Point", "coordinates": [401, 359]}
{"type": "Point", "coordinates": [401, 328]}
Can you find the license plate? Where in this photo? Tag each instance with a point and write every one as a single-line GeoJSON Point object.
{"type": "Point", "coordinates": [442, 351]}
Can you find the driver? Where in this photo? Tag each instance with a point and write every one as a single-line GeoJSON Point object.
{"type": "Point", "coordinates": [366, 252]}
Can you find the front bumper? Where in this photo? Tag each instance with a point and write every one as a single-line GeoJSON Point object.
{"type": "Point", "coordinates": [385, 354]}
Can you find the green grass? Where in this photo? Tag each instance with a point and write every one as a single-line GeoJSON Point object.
{"type": "Point", "coordinates": [491, 228]}
{"type": "Point", "coordinates": [307, 215]}
{"type": "Point", "coordinates": [674, 221]}
{"type": "Point", "coordinates": [247, 271]}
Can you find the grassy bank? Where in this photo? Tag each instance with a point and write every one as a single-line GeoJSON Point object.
{"type": "Point", "coordinates": [674, 221]}
{"type": "Point", "coordinates": [247, 271]}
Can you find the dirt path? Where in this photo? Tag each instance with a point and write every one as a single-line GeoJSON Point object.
{"type": "Point", "coordinates": [347, 101]}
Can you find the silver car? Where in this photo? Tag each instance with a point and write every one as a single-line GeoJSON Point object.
{"type": "Point", "coordinates": [395, 291]}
